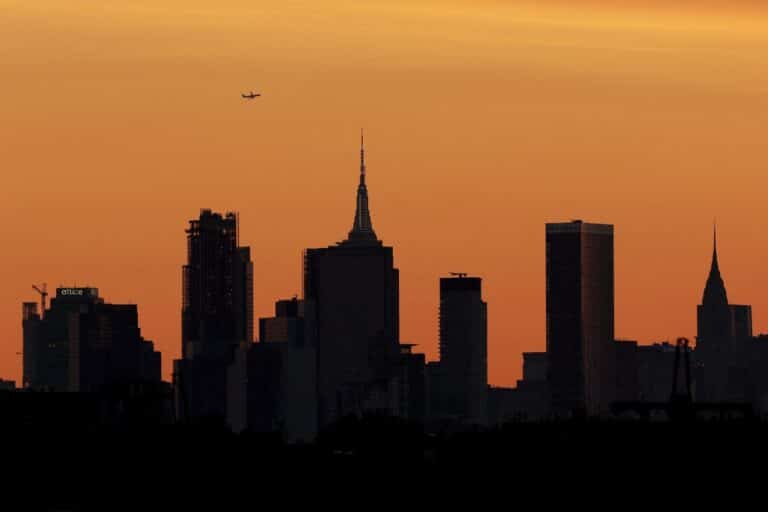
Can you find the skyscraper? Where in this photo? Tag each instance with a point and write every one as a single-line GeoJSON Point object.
{"type": "Point", "coordinates": [352, 313]}
{"type": "Point", "coordinates": [580, 317]}
{"type": "Point", "coordinates": [723, 330]}
{"type": "Point", "coordinates": [217, 302]}
{"type": "Point", "coordinates": [464, 349]}
{"type": "Point", "coordinates": [713, 314]}
{"type": "Point", "coordinates": [217, 313]}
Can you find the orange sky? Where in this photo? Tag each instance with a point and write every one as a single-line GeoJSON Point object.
{"type": "Point", "coordinates": [484, 120]}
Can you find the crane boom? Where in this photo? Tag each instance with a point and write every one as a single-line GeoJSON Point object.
{"type": "Point", "coordinates": [43, 291]}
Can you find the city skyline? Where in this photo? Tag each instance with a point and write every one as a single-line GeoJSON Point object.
{"type": "Point", "coordinates": [91, 197]}
{"type": "Point", "coordinates": [363, 218]}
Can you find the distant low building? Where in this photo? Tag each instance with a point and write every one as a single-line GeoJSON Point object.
{"type": "Point", "coordinates": [108, 349]}
{"type": "Point", "coordinates": [655, 372]}
{"type": "Point", "coordinates": [529, 400]}
{"type": "Point", "coordinates": [413, 399]}
{"type": "Point", "coordinates": [83, 344]}
{"type": "Point", "coordinates": [757, 365]}
{"type": "Point", "coordinates": [624, 371]}
{"type": "Point", "coordinates": [272, 384]}
{"type": "Point", "coordinates": [287, 326]}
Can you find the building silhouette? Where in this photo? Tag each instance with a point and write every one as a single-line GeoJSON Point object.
{"type": "Point", "coordinates": [272, 384]}
{"type": "Point", "coordinates": [38, 357]}
{"type": "Point", "coordinates": [741, 321]}
{"type": "Point", "coordinates": [459, 383]}
{"type": "Point", "coordinates": [287, 325]}
{"type": "Point", "coordinates": [413, 398]}
{"type": "Point", "coordinates": [47, 338]}
{"type": "Point", "coordinates": [580, 321]}
{"type": "Point", "coordinates": [351, 293]}
{"type": "Point", "coordinates": [655, 370]}
{"type": "Point", "coordinates": [723, 340]}
{"type": "Point", "coordinates": [217, 313]}
{"type": "Point", "coordinates": [528, 400]}
{"type": "Point", "coordinates": [713, 338]}
{"type": "Point", "coordinates": [108, 350]}
{"type": "Point", "coordinates": [217, 303]}
{"type": "Point", "coordinates": [82, 344]}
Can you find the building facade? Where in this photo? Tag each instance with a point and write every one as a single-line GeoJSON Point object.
{"type": "Point", "coordinates": [580, 316]}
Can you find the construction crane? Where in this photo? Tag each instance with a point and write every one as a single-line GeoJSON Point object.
{"type": "Point", "coordinates": [43, 291]}
{"type": "Point", "coordinates": [460, 275]}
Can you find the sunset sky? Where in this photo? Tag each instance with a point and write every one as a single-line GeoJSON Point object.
{"type": "Point", "coordinates": [484, 119]}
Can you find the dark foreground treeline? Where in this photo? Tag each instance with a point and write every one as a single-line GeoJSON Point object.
{"type": "Point", "coordinates": [175, 467]}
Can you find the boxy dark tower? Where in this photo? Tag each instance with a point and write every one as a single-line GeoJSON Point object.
{"type": "Point", "coordinates": [464, 348]}
{"type": "Point", "coordinates": [580, 317]}
{"type": "Point", "coordinates": [352, 315]}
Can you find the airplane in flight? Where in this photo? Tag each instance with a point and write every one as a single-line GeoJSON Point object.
{"type": "Point", "coordinates": [251, 95]}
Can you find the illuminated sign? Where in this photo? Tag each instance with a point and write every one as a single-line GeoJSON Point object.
{"type": "Point", "coordinates": [71, 291]}
{"type": "Point", "coordinates": [77, 292]}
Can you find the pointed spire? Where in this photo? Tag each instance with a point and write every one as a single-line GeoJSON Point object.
{"type": "Point", "coordinates": [714, 291]}
{"type": "Point", "coordinates": [362, 228]}
{"type": "Point", "coordinates": [362, 158]}
{"type": "Point", "coordinates": [714, 247]}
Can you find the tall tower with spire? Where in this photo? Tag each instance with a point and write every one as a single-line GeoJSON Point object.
{"type": "Point", "coordinates": [351, 293]}
{"type": "Point", "coordinates": [722, 328]}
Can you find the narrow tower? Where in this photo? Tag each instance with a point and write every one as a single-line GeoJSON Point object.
{"type": "Point", "coordinates": [351, 299]}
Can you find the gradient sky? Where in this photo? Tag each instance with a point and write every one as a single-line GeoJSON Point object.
{"type": "Point", "coordinates": [484, 120]}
